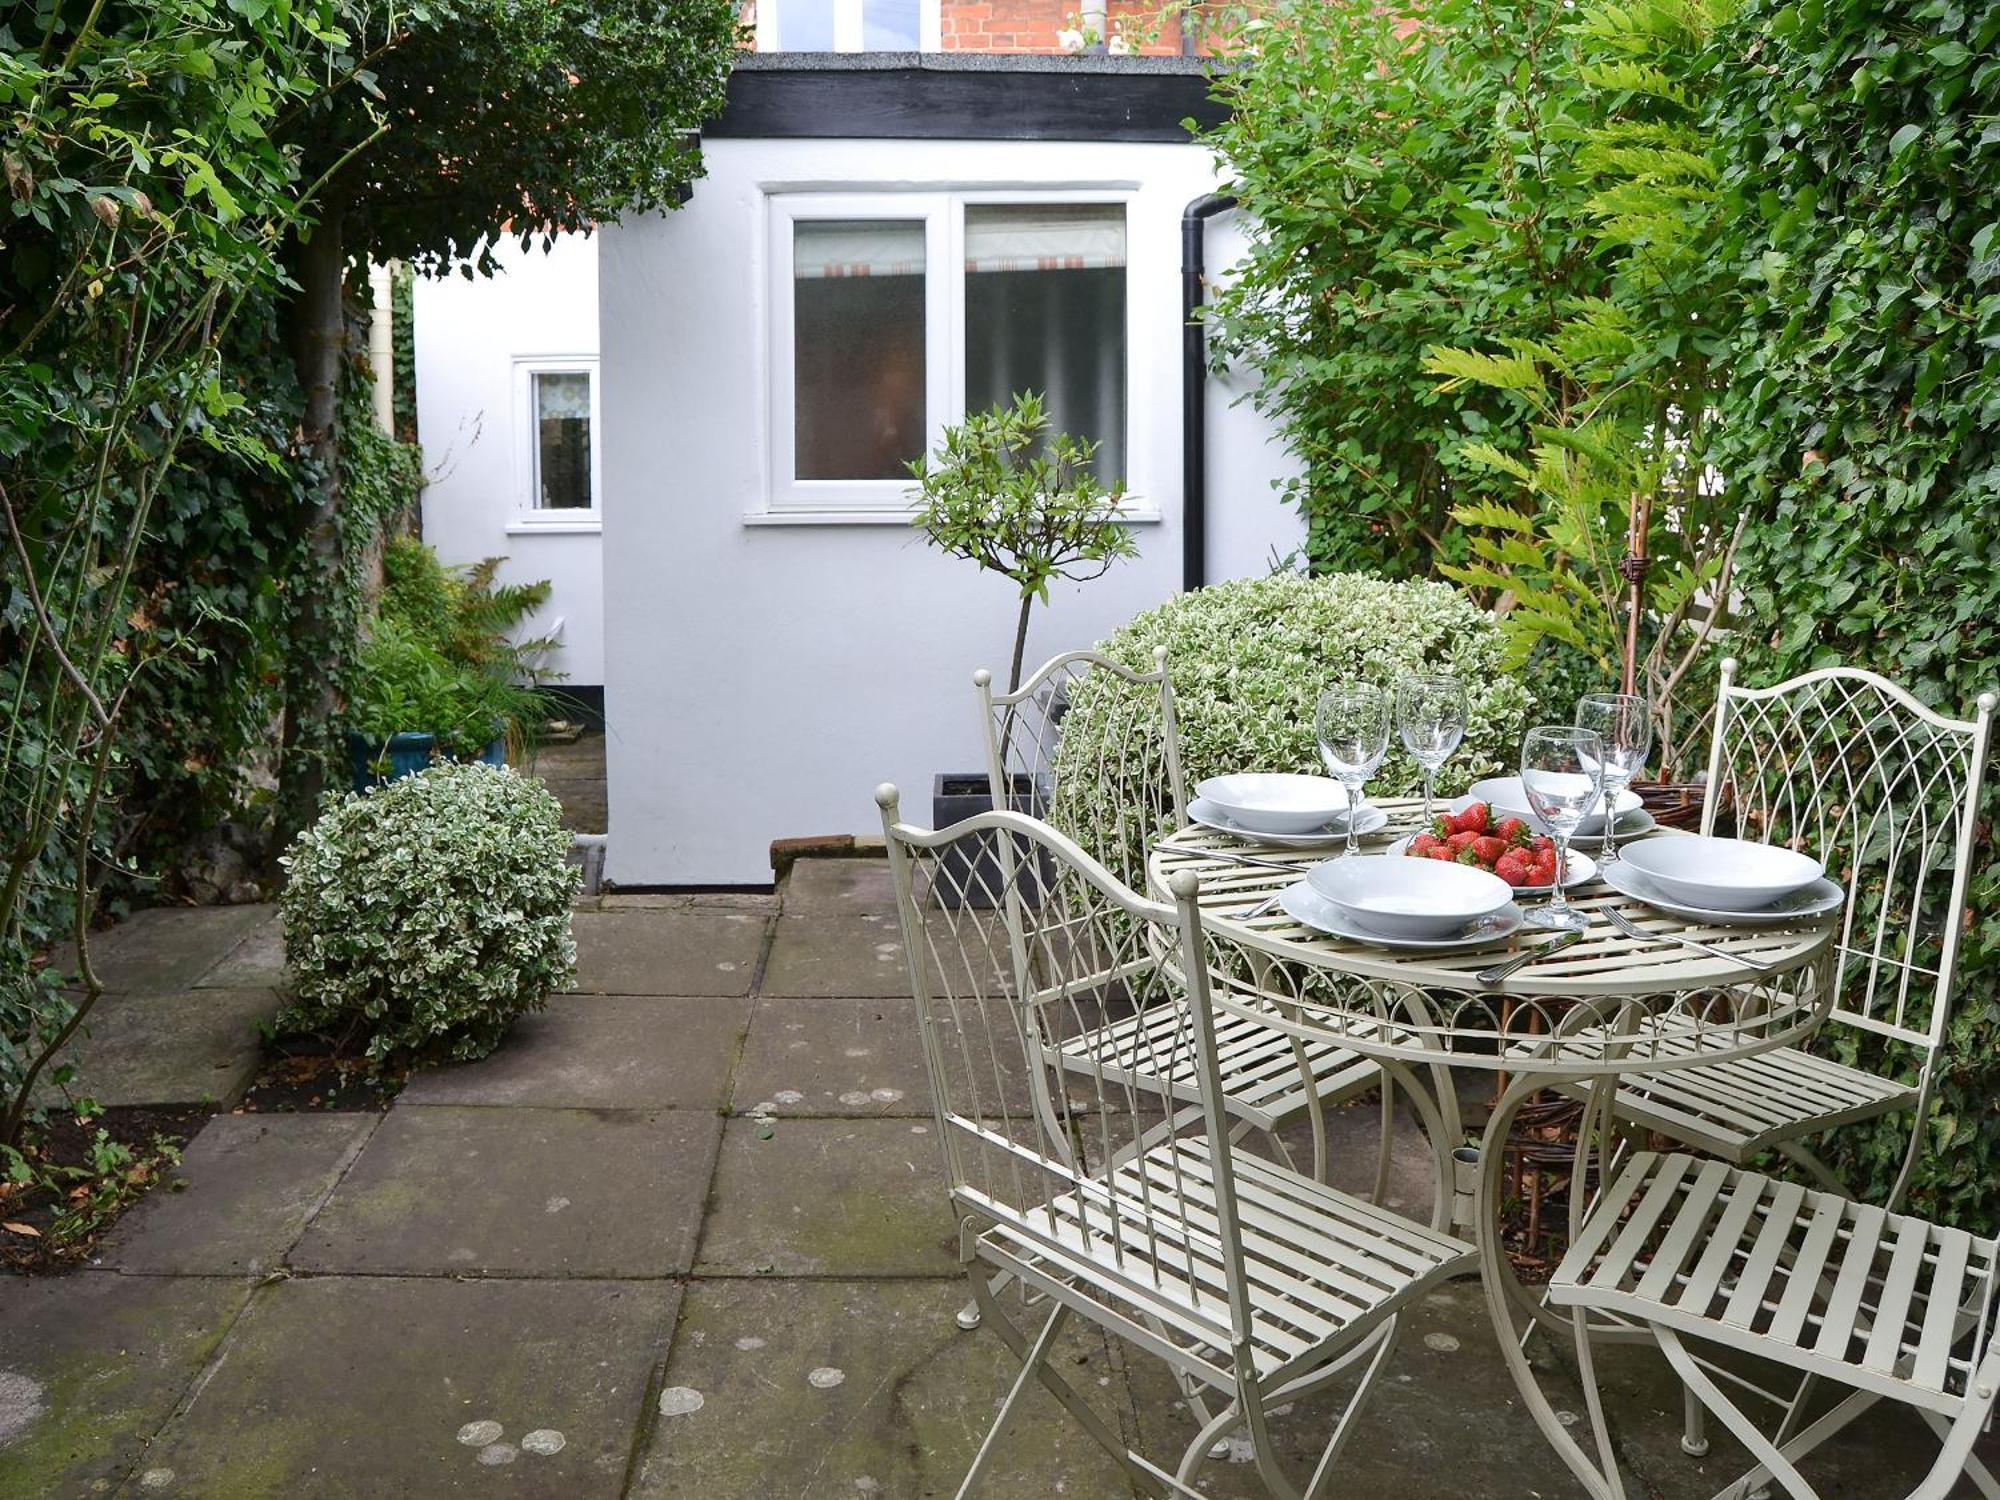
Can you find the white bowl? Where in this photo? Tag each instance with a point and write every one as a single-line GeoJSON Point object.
{"type": "Point", "coordinates": [1409, 898]}
{"type": "Point", "coordinates": [1508, 795]}
{"type": "Point", "coordinates": [1722, 874]}
{"type": "Point", "coordinates": [1276, 801]}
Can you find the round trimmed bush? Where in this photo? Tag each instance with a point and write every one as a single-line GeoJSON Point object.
{"type": "Point", "coordinates": [1248, 660]}
{"type": "Point", "coordinates": [430, 912]}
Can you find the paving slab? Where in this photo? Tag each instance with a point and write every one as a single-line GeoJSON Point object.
{"type": "Point", "coordinates": [91, 1365]}
{"type": "Point", "coordinates": [834, 1057]}
{"type": "Point", "coordinates": [861, 957]}
{"type": "Point", "coordinates": [181, 1047]}
{"type": "Point", "coordinates": [445, 1190]}
{"type": "Point", "coordinates": [691, 951]}
{"type": "Point", "coordinates": [167, 947]}
{"type": "Point", "coordinates": [839, 888]}
{"type": "Point", "coordinates": [241, 1196]}
{"type": "Point", "coordinates": [396, 1388]}
{"type": "Point", "coordinates": [602, 1052]}
{"type": "Point", "coordinates": [811, 1390]}
{"type": "Point", "coordinates": [829, 1198]}
{"type": "Point", "coordinates": [258, 960]}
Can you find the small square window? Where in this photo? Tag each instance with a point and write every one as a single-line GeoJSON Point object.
{"type": "Point", "coordinates": [561, 418]}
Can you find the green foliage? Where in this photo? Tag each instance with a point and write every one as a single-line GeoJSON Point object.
{"type": "Point", "coordinates": [438, 660]}
{"type": "Point", "coordinates": [1248, 660]}
{"type": "Point", "coordinates": [1004, 492]}
{"type": "Point", "coordinates": [145, 200]}
{"type": "Point", "coordinates": [427, 914]}
{"type": "Point", "coordinates": [1618, 401]}
{"type": "Point", "coordinates": [513, 116]}
{"type": "Point", "coordinates": [1861, 429]}
{"type": "Point", "coordinates": [1415, 186]}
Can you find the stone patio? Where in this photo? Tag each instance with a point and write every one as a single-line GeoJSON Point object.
{"type": "Point", "coordinates": [684, 1235]}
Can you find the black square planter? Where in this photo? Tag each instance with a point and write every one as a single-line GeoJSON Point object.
{"type": "Point", "coordinates": [969, 873]}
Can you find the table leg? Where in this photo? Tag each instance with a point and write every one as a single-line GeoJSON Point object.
{"type": "Point", "coordinates": [1497, 1276]}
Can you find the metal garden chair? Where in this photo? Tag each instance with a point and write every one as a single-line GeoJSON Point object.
{"type": "Point", "coordinates": [1115, 797]}
{"type": "Point", "coordinates": [1887, 1305]}
{"type": "Point", "coordinates": [1115, 1199]}
{"type": "Point", "coordinates": [1853, 770]}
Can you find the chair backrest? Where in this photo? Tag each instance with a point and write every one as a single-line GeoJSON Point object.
{"type": "Point", "coordinates": [1112, 794]}
{"type": "Point", "coordinates": [1034, 1148]}
{"type": "Point", "coordinates": [1852, 769]}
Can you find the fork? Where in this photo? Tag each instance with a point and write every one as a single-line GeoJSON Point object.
{"type": "Point", "coordinates": [1632, 929]}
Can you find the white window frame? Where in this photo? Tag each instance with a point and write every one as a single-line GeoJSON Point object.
{"type": "Point", "coordinates": [788, 498]}
{"type": "Point", "coordinates": [848, 26]}
{"type": "Point", "coordinates": [531, 514]}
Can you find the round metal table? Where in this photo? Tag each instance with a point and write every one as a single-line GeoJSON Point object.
{"type": "Point", "coordinates": [1610, 1005]}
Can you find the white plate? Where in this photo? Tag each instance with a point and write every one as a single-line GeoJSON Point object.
{"type": "Point", "coordinates": [1817, 900]}
{"type": "Point", "coordinates": [1304, 905]}
{"type": "Point", "coordinates": [1723, 874]}
{"type": "Point", "coordinates": [1508, 798]}
{"type": "Point", "coordinates": [1409, 898]}
{"type": "Point", "coordinates": [1275, 801]}
{"type": "Point", "coordinates": [1581, 869]}
{"type": "Point", "coordinates": [1206, 813]}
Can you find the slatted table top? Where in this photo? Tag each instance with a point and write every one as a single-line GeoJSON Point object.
{"type": "Point", "coordinates": [1606, 963]}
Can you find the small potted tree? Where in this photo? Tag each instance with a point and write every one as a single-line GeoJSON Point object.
{"type": "Point", "coordinates": [1005, 492]}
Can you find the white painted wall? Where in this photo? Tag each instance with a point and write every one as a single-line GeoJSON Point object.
{"type": "Point", "coordinates": [470, 339]}
{"type": "Point", "coordinates": [761, 679]}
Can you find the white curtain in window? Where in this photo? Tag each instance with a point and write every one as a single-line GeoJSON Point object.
{"type": "Point", "coordinates": [563, 396]}
{"type": "Point", "coordinates": [830, 248]}
{"type": "Point", "coordinates": [1044, 237]}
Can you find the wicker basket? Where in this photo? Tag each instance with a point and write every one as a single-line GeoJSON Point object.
{"type": "Point", "coordinates": [1679, 804]}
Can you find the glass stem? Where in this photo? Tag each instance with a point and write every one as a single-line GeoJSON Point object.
{"type": "Point", "coordinates": [1610, 802]}
{"type": "Point", "coordinates": [1429, 815]}
{"type": "Point", "coordinates": [1558, 899]}
{"type": "Point", "coordinates": [1353, 816]}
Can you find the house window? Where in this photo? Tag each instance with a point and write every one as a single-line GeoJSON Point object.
{"type": "Point", "coordinates": [893, 315]}
{"type": "Point", "coordinates": [847, 25]}
{"type": "Point", "coordinates": [557, 401]}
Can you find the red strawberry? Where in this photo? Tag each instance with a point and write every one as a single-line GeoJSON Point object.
{"type": "Point", "coordinates": [1512, 867]}
{"type": "Point", "coordinates": [1465, 856]}
{"type": "Point", "coordinates": [1489, 849]}
{"type": "Point", "coordinates": [1542, 871]}
{"type": "Point", "coordinates": [1423, 843]}
{"type": "Point", "coordinates": [1442, 851]}
{"type": "Point", "coordinates": [1541, 846]}
{"type": "Point", "coordinates": [1463, 840]}
{"type": "Point", "coordinates": [1513, 830]}
{"type": "Point", "coordinates": [1475, 818]}
{"type": "Point", "coordinates": [1444, 825]}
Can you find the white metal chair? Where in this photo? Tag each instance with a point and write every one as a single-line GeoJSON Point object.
{"type": "Point", "coordinates": [1128, 1206]}
{"type": "Point", "coordinates": [1887, 1305]}
{"type": "Point", "coordinates": [1115, 796]}
{"type": "Point", "coordinates": [1856, 772]}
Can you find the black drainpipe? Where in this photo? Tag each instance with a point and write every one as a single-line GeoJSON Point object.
{"type": "Point", "coordinates": [1194, 380]}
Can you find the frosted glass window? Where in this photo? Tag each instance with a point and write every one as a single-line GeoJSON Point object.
{"type": "Point", "coordinates": [562, 440]}
{"type": "Point", "coordinates": [858, 347]}
{"type": "Point", "coordinates": [804, 25]}
{"type": "Point", "coordinates": [891, 26]}
{"type": "Point", "coordinates": [1045, 312]}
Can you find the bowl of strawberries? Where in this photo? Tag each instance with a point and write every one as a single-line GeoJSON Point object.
{"type": "Point", "coordinates": [1479, 835]}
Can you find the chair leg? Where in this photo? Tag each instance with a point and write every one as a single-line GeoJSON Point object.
{"type": "Point", "coordinates": [1323, 1471]}
{"type": "Point", "coordinates": [1981, 1476]}
{"type": "Point", "coordinates": [1694, 1425]}
{"type": "Point", "coordinates": [1593, 1403]}
{"type": "Point", "coordinates": [1030, 1366]}
{"type": "Point", "coordinates": [995, 1318]}
{"type": "Point", "coordinates": [1697, 1380]}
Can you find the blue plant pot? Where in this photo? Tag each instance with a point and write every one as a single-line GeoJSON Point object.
{"type": "Point", "coordinates": [377, 762]}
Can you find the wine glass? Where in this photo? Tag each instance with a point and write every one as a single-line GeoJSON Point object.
{"type": "Point", "coordinates": [1562, 771]}
{"type": "Point", "coordinates": [1430, 716]}
{"type": "Point", "coordinates": [1624, 721]}
{"type": "Point", "coordinates": [1352, 723]}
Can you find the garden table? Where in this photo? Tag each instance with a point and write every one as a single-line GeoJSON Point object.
{"type": "Point", "coordinates": [1609, 1005]}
